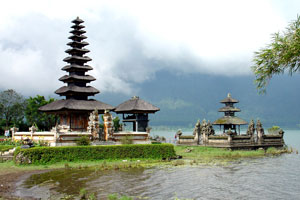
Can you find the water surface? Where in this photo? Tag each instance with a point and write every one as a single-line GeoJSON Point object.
{"type": "Point", "coordinates": [260, 178]}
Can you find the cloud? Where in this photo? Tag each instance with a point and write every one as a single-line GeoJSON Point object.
{"type": "Point", "coordinates": [132, 41]}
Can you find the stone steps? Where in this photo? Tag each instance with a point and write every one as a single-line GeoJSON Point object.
{"type": "Point", "coordinates": [7, 155]}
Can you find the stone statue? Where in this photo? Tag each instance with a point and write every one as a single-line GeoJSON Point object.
{"type": "Point", "coordinates": [197, 128]}
{"type": "Point", "coordinates": [179, 133]}
{"type": "Point", "coordinates": [259, 128]}
{"type": "Point", "coordinates": [206, 130]}
{"type": "Point", "coordinates": [197, 131]}
{"type": "Point", "coordinates": [251, 128]}
{"type": "Point", "coordinates": [211, 130]}
{"type": "Point", "coordinates": [93, 124]}
{"type": "Point", "coordinates": [260, 132]}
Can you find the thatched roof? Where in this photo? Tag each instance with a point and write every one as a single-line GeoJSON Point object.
{"type": "Point", "coordinates": [229, 99]}
{"type": "Point", "coordinates": [76, 89]}
{"type": "Point", "coordinates": [77, 44]}
{"type": "Point", "coordinates": [77, 20]}
{"type": "Point", "coordinates": [230, 120]}
{"type": "Point", "coordinates": [77, 26]}
{"type": "Point", "coordinates": [229, 109]}
{"type": "Point", "coordinates": [77, 37]}
{"type": "Point", "coordinates": [69, 78]}
{"type": "Point", "coordinates": [136, 105]}
{"type": "Point", "coordinates": [78, 105]}
{"type": "Point", "coordinates": [77, 32]}
{"type": "Point", "coordinates": [77, 50]}
{"type": "Point", "coordinates": [75, 67]}
{"type": "Point", "coordinates": [73, 59]}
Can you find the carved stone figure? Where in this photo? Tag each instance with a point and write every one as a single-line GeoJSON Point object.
{"type": "Point", "coordinates": [251, 128]}
{"type": "Point", "coordinates": [211, 130]}
{"type": "Point", "coordinates": [206, 130]}
{"type": "Point", "coordinates": [260, 132]}
{"type": "Point", "coordinates": [179, 133]}
{"type": "Point", "coordinates": [93, 124]}
{"type": "Point", "coordinates": [108, 125]}
{"type": "Point", "coordinates": [197, 131]}
{"type": "Point", "coordinates": [197, 128]}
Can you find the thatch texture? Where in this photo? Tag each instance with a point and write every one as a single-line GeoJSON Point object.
{"type": "Point", "coordinates": [229, 109]}
{"type": "Point", "coordinates": [78, 105]}
{"type": "Point", "coordinates": [76, 89]}
{"type": "Point", "coordinates": [74, 67]}
{"type": "Point", "coordinates": [227, 120]}
{"type": "Point", "coordinates": [136, 105]}
{"type": "Point", "coordinates": [69, 78]}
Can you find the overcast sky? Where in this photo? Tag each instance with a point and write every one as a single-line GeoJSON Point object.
{"type": "Point", "coordinates": [131, 41]}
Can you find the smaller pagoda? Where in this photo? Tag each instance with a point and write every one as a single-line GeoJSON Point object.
{"type": "Point", "coordinates": [229, 120]}
{"type": "Point", "coordinates": [136, 111]}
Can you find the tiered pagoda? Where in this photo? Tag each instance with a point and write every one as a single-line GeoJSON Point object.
{"type": "Point", "coordinates": [74, 110]}
{"type": "Point", "coordinates": [136, 111]}
{"type": "Point", "coordinates": [229, 121]}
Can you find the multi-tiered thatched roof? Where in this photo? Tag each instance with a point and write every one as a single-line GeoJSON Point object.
{"type": "Point", "coordinates": [76, 91]}
{"type": "Point", "coordinates": [229, 110]}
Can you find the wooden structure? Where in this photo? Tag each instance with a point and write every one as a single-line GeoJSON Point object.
{"type": "Point", "coordinates": [74, 110]}
{"type": "Point", "coordinates": [230, 121]}
{"type": "Point", "coordinates": [136, 111]}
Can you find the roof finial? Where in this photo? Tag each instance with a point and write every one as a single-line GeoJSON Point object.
{"type": "Point", "coordinates": [228, 95]}
{"type": "Point", "coordinates": [135, 97]}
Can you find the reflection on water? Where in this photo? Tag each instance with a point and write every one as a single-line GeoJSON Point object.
{"type": "Point", "coordinates": [263, 178]}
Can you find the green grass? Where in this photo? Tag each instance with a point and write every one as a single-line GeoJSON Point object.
{"type": "Point", "coordinates": [199, 155]}
{"type": "Point", "coordinates": [207, 155]}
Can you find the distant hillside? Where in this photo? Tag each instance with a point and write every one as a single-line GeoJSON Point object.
{"type": "Point", "coordinates": [183, 99]}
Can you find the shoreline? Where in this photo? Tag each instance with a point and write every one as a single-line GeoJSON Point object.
{"type": "Point", "coordinates": [11, 174]}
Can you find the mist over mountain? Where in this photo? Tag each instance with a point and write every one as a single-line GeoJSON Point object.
{"type": "Point", "coordinates": [185, 98]}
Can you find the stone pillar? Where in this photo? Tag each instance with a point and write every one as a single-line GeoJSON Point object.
{"type": "Point", "coordinates": [32, 131]}
{"type": "Point", "coordinates": [55, 131]}
{"type": "Point", "coordinates": [108, 124]}
{"type": "Point", "coordinates": [13, 131]}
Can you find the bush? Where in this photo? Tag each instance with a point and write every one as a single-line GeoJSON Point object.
{"type": "Point", "coordinates": [45, 155]}
{"type": "Point", "coordinates": [83, 141]}
{"type": "Point", "coordinates": [274, 130]}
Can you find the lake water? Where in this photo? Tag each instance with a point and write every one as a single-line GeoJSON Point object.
{"type": "Point", "coordinates": [260, 178]}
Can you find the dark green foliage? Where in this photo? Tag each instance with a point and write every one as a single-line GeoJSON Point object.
{"type": "Point", "coordinates": [12, 106]}
{"type": "Point", "coordinates": [273, 130]}
{"type": "Point", "coordinates": [83, 141]}
{"type": "Point", "coordinates": [281, 55]}
{"type": "Point", "coordinates": [187, 137]}
{"type": "Point", "coordinates": [34, 117]}
{"type": "Point", "coordinates": [117, 124]}
{"type": "Point", "coordinates": [46, 155]}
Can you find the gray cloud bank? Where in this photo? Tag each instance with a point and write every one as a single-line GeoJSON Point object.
{"type": "Point", "coordinates": [124, 55]}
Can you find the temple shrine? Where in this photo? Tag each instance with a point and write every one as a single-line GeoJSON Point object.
{"type": "Point", "coordinates": [74, 110]}
{"type": "Point", "coordinates": [229, 120]}
{"type": "Point", "coordinates": [136, 111]}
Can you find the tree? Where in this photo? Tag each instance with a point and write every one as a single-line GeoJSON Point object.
{"type": "Point", "coordinates": [34, 117]}
{"type": "Point", "coordinates": [12, 106]}
{"type": "Point", "coordinates": [281, 55]}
